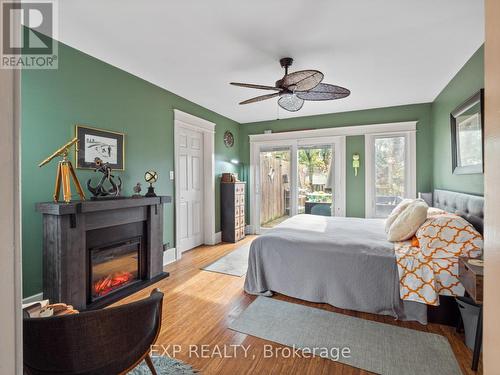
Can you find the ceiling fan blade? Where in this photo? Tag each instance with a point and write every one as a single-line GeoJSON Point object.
{"type": "Point", "coordinates": [324, 91]}
{"type": "Point", "coordinates": [290, 102]}
{"type": "Point", "coordinates": [252, 86]}
{"type": "Point", "coordinates": [260, 98]}
{"type": "Point", "coordinates": [302, 80]}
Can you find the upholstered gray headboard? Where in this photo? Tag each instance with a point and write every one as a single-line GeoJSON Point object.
{"type": "Point", "coordinates": [470, 207]}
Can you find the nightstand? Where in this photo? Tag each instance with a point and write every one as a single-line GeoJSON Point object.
{"type": "Point", "coordinates": [471, 277]}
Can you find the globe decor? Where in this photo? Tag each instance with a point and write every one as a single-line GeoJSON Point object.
{"type": "Point", "coordinates": [151, 177]}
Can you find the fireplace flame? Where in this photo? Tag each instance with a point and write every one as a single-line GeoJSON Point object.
{"type": "Point", "coordinates": [106, 284]}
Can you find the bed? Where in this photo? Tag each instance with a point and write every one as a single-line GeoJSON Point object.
{"type": "Point", "coordinates": [345, 262]}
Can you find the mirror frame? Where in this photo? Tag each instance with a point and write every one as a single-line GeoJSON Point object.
{"type": "Point", "coordinates": [470, 169]}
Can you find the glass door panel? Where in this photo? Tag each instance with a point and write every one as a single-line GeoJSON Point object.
{"type": "Point", "coordinates": [315, 180]}
{"type": "Point", "coordinates": [390, 173]}
{"type": "Point", "coordinates": [274, 187]}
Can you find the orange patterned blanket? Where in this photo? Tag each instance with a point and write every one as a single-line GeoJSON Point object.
{"type": "Point", "coordinates": [428, 264]}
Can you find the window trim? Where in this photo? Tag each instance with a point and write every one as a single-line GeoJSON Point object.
{"type": "Point", "coordinates": [410, 166]}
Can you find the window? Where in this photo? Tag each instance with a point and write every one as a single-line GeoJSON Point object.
{"type": "Point", "coordinates": [390, 172]}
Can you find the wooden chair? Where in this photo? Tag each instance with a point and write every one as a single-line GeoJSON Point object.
{"type": "Point", "coordinates": [108, 341]}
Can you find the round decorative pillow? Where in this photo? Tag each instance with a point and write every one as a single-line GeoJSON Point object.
{"type": "Point", "coordinates": [396, 211]}
{"type": "Point", "coordinates": [408, 221]}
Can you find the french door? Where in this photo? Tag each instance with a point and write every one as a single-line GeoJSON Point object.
{"type": "Point", "coordinates": [297, 177]}
{"type": "Point", "coordinates": [275, 183]}
{"type": "Point", "coordinates": [315, 180]}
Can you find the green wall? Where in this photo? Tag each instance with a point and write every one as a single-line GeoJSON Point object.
{"type": "Point", "coordinates": [355, 185]}
{"type": "Point", "coordinates": [355, 199]}
{"type": "Point", "coordinates": [85, 90]}
{"type": "Point", "coordinates": [466, 83]}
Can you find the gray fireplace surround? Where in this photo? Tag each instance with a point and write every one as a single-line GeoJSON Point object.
{"type": "Point", "coordinates": [71, 231]}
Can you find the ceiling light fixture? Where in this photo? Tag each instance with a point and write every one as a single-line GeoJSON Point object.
{"type": "Point", "coordinates": [295, 88]}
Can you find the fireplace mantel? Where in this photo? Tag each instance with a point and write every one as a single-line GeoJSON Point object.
{"type": "Point", "coordinates": [70, 228]}
{"type": "Point", "coordinates": [62, 208]}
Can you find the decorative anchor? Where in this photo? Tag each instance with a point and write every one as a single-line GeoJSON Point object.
{"type": "Point", "coordinates": [99, 190]}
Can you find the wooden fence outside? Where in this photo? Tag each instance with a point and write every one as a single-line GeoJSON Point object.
{"type": "Point", "coordinates": [273, 185]}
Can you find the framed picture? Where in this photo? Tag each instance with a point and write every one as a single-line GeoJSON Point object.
{"type": "Point", "coordinates": [94, 143]}
{"type": "Point", "coordinates": [467, 124]}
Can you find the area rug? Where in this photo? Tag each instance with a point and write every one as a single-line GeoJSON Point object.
{"type": "Point", "coordinates": [164, 366]}
{"type": "Point", "coordinates": [235, 263]}
{"type": "Point", "coordinates": [376, 347]}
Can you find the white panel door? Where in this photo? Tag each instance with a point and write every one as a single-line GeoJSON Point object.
{"type": "Point", "coordinates": [190, 175]}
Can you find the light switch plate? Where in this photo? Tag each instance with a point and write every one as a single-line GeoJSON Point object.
{"type": "Point", "coordinates": [171, 175]}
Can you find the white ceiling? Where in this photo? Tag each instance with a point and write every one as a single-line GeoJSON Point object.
{"type": "Point", "coordinates": [387, 52]}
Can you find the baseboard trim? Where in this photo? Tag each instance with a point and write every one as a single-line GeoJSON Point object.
{"type": "Point", "coordinates": [33, 298]}
{"type": "Point", "coordinates": [217, 238]}
{"type": "Point", "coordinates": [169, 256]}
{"type": "Point", "coordinates": [213, 239]}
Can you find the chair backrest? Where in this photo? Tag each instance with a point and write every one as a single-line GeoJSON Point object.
{"type": "Point", "coordinates": [322, 210]}
{"type": "Point", "coordinates": [106, 341]}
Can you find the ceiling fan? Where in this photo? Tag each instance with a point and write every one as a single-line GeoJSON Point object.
{"type": "Point", "coordinates": [295, 88]}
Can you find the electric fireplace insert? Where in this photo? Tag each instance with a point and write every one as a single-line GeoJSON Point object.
{"type": "Point", "coordinates": [114, 266]}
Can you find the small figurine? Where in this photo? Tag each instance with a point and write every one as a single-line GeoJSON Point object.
{"type": "Point", "coordinates": [137, 190]}
{"type": "Point", "coordinates": [355, 163]}
{"type": "Point", "coordinates": [99, 190]}
{"type": "Point", "coordinates": [150, 177]}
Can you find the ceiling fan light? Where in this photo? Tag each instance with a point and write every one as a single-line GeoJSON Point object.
{"type": "Point", "coordinates": [296, 87]}
{"type": "Point", "coordinates": [290, 102]}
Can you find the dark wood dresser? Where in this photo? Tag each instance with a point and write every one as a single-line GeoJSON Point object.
{"type": "Point", "coordinates": [232, 198]}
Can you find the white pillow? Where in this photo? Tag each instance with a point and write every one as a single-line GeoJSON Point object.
{"type": "Point", "coordinates": [408, 221]}
{"type": "Point", "coordinates": [396, 211]}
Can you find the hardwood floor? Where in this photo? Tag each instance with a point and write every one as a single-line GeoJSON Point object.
{"type": "Point", "coordinates": [199, 305]}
